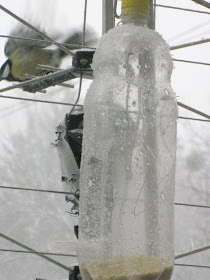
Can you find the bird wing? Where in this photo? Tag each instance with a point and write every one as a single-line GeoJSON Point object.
{"type": "Point", "coordinates": [76, 39]}
{"type": "Point", "coordinates": [29, 39]}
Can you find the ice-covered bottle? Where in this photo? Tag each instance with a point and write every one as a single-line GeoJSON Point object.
{"type": "Point", "coordinates": [128, 156]}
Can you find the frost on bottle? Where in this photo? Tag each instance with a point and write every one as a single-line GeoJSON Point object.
{"type": "Point", "coordinates": [128, 159]}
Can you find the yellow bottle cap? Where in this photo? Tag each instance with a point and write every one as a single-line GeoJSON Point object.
{"type": "Point", "coordinates": [135, 6]}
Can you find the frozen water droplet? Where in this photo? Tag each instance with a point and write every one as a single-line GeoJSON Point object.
{"type": "Point", "coordinates": [162, 195]}
{"type": "Point", "coordinates": [166, 92]}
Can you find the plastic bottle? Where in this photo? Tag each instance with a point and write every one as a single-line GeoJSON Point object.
{"type": "Point", "coordinates": [128, 157]}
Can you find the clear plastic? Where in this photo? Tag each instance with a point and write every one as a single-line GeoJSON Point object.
{"type": "Point", "coordinates": [128, 160]}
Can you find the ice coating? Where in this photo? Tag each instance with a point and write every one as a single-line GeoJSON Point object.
{"type": "Point", "coordinates": [129, 147]}
{"type": "Point", "coordinates": [125, 40]}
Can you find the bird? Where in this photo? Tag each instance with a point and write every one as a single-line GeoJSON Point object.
{"type": "Point", "coordinates": [24, 55]}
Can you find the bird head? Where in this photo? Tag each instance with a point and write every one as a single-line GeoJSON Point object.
{"type": "Point", "coordinates": [5, 71]}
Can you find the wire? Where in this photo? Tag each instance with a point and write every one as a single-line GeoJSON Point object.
{"type": "Point", "coordinates": [76, 194]}
{"type": "Point", "coordinates": [36, 30]}
{"type": "Point", "coordinates": [190, 32]}
{"type": "Point", "coordinates": [202, 3]}
{"type": "Point", "coordinates": [192, 205]}
{"type": "Point", "coordinates": [192, 265]}
{"type": "Point", "coordinates": [78, 96]}
{"type": "Point", "coordinates": [182, 9]}
{"type": "Point", "coordinates": [83, 43]}
{"type": "Point", "coordinates": [192, 252]}
{"type": "Point", "coordinates": [37, 190]}
{"type": "Point", "coordinates": [42, 253]}
{"type": "Point", "coordinates": [193, 119]}
{"type": "Point", "coordinates": [74, 255]}
{"type": "Point", "coordinates": [80, 105]}
{"type": "Point", "coordinates": [34, 251]}
{"type": "Point", "coordinates": [189, 44]}
{"type": "Point", "coordinates": [193, 110]}
{"type": "Point", "coordinates": [189, 61]}
{"type": "Point", "coordinates": [41, 101]}
{"type": "Point", "coordinates": [45, 41]}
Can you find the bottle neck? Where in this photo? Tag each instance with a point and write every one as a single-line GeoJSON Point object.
{"type": "Point", "coordinates": [135, 18]}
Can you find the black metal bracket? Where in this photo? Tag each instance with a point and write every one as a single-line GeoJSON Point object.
{"type": "Point", "coordinates": [82, 63]}
{"type": "Point", "coordinates": [82, 60]}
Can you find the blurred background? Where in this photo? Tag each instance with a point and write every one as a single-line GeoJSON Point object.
{"type": "Point", "coordinates": [29, 160]}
